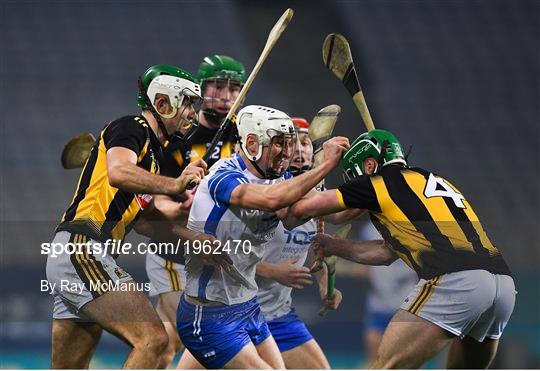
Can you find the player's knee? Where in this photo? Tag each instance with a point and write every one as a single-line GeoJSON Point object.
{"type": "Point", "coordinates": [173, 347]}
{"type": "Point", "coordinates": [154, 339]}
{"type": "Point", "coordinates": [394, 361]}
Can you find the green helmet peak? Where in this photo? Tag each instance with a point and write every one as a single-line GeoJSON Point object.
{"type": "Point", "coordinates": [382, 145]}
{"type": "Point", "coordinates": [184, 82]}
{"type": "Point", "coordinates": [221, 67]}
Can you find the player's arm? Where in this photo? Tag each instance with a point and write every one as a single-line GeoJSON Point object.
{"type": "Point", "coordinates": [124, 140]}
{"type": "Point", "coordinates": [317, 204]}
{"type": "Point", "coordinates": [277, 196]}
{"type": "Point", "coordinates": [153, 223]}
{"type": "Point", "coordinates": [172, 209]}
{"type": "Point", "coordinates": [343, 216]}
{"type": "Point", "coordinates": [286, 273]}
{"type": "Point", "coordinates": [157, 221]}
{"type": "Point", "coordinates": [374, 252]}
{"type": "Point", "coordinates": [355, 194]}
{"type": "Point", "coordinates": [124, 174]}
{"type": "Point", "coordinates": [293, 218]}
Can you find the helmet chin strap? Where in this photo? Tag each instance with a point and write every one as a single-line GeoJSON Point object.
{"type": "Point", "coordinates": [268, 174]}
{"type": "Point", "coordinates": [258, 168]}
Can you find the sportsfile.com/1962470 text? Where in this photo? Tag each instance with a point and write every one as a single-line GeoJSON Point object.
{"type": "Point", "coordinates": [116, 247]}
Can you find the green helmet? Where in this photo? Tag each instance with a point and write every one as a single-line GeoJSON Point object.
{"type": "Point", "coordinates": [181, 81]}
{"type": "Point", "coordinates": [382, 145]}
{"type": "Point", "coordinates": [221, 67]}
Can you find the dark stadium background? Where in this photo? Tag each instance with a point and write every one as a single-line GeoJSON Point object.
{"type": "Point", "coordinates": [458, 80]}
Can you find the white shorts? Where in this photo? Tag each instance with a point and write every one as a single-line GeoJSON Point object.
{"type": "Point", "coordinates": [472, 303]}
{"type": "Point", "coordinates": [164, 275]}
{"type": "Point", "coordinates": [79, 278]}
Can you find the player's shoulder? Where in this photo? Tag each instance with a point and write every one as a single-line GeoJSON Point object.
{"type": "Point", "coordinates": [227, 168]}
{"type": "Point", "coordinates": [397, 170]}
{"type": "Point", "coordinates": [424, 172]}
{"type": "Point", "coordinates": [230, 164]}
{"type": "Point", "coordinates": [130, 122]}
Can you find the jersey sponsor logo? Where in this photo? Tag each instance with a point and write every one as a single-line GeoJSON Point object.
{"type": "Point", "coordinates": [289, 251]}
{"type": "Point", "coordinates": [299, 237]}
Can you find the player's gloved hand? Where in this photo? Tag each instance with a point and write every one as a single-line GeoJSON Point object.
{"type": "Point", "coordinates": [334, 149]}
{"type": "Point", "coordinates": [291, 275]}
{"type": "Point", "coordinates": [192, 174]}
{"type": "Point", "coordinates": [334, 302]}
{"type": "Point", "coordinates": [321, 244]}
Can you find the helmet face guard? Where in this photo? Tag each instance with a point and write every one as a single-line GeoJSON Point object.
{"type": "Point", "coordinates": [221, 78]}
{"type": "Point", "coordinates": [279, 154]}
{"type": "Point", "coordinates": [304, 148]}
{"type": "Point", "coordinates": [187, 126]}
{"type": "Point", "coordinates": [219, 96]}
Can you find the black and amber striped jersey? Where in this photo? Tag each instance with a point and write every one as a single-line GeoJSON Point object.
{"type": "Point", "coordinates": [178, 154]}
{"type": "Point", "coordinates": [426, 220]}
{"type": "Point", "coordinates": [98, 209]}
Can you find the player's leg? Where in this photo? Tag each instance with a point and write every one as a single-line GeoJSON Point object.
{"type": "Point", "coordinates": [166, 310]}
{"type": "Point", "coordinates": [269, 352]}
{"type": "Point", "coordinates": [372, 338]}
{"type": "Point", "coordinates": [478, 349]}
{"type": "Point", "coordinates": [376, 324]}
{"type": "Point", "coordinates": [73, 343]}
{"type": "Point", "coordinates": [297, 346]}
{"type": "Point", "coordinates": [168, 279]}
{"type": "Point", "coordinates": [188, 362]}
{"type": "Point", "coordinates": [308, 356]}
{"type": "Point", "coordinates": [248, 358]}
{"type": "Point", "coordinates": [74, 338]}
{"type": "Point", "coordinates": [130, 316]}
{"type": "Point", "coordinates": [409, 341]}
{"type": "Point", "coordinates": [469, 353]}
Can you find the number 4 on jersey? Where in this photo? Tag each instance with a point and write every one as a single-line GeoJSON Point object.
{"type": "Point", "coordinates": [432, 191]}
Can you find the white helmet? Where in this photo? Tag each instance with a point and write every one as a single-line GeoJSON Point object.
{"type": "Point", "coordinates": [176, 88]}
{"type": "Point", "coordinates": [265, 122]}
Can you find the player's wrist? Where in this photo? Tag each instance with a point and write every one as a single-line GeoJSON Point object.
{"type": "Point", "coordinates": [179, 185]}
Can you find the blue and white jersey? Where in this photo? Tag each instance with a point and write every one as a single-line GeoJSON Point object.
{"type": "Point", "coordinates": [274, 298]}
{"type": "Point", "coordinates": [211, 213]}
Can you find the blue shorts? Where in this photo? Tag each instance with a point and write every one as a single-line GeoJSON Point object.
{"type": "Point", "coordinates": [378, 320]}
{"type": "Point", "coordinates": [289, 331]}
{"type": "Point", "coordinates": [215, 334]}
